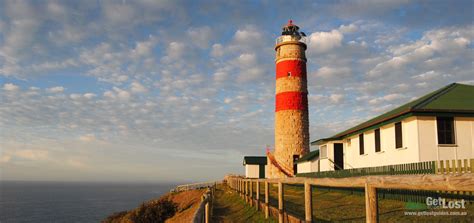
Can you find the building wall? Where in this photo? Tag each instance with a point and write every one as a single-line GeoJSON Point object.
{"type": "Point", "coordinates": [251, 171]}
{"type": "Point", "coordinates": [304, 167]}
{"type": "Point", "coordinates": [464, 138]}
{"type": "Point", "coordinates": [308, 166]}
{"type": "Point", "coordinates": [389, 155]}
{"type": "Point", "coordinates": [419, 135]}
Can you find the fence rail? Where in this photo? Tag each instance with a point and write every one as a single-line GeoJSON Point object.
{"type": "Point", "coordinates": [204, 213]}
{"type": "Point", "coordinates": [185, 187]}
{"type": "Point", "coordinates": [442, 182]}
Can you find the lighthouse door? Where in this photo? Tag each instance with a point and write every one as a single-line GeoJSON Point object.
{"type": "Point", "coordinates": [295, 166]}
{"type": "Point", "coordinates": [338, 156]}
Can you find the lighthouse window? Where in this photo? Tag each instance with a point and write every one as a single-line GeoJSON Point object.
{"type": "Point", "coordinates": [289, 74]}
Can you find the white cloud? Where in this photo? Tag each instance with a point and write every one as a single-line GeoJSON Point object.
{"type": "Point", "coordinates": [348, 28]}
{"type": "Point", "coordinates": [89, 95]}
{"type": "Point", "coordinates": [30, 154]}
{"type": "Point", "coordinates": [246, 60]}
{"type": "Point", "coordinates": [333, 72]}
{"type": "Point", "coordinates": [75, 96]}
{"type": "Point", "coordinates": [117, 93]}
{"type": "Point", "coordinates": [322, 42]}
{"type": "Point", "coordinates": [200, 36]}
{"type": "Point", "coordinates": [176, 50]}
{"type": "Point", "coordinates": [144, 48]}
{"type": "Point", "coordinates": [87, 138]}
{"type": "Point", "coordinates": [57, 89]}
{"type": "Point", "coordinates": [217, 50]}
{"type": "Point", "coordinates": [119, 13]}
{"type": "Point", "coordinates": [336, 98]}
{"type": "Point", "coordinates": [138, 88]}
{"type": "Point", "coordinates": [10, 87]}
{"type": "Point", "coordinates": [247, 35]}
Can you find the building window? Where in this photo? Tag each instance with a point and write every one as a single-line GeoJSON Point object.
{"type": "Point", "coordinates": [361, 144]}
{"type": "Point", "coordinates": [377, 140]}
{"type": "Point", "coordinates": [398, 135]}
{"type": "Point", "coordinates": [324, 151]}
{"type": "Point", "coordinates": [445, 130]}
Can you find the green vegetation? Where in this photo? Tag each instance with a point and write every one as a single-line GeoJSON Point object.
{"type": "Point", "coordinates": [229, 207]}
{"type": "Point", "coordinates": [337, 205]}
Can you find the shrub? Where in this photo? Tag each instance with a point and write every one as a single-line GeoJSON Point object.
{"type": "Point", "coordinates": [155, 212]}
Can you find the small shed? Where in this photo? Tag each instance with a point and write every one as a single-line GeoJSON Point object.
{"type": "Point", "coordinates": [309, 162]}
{"type": "Point", "coordinates": [255, 166]}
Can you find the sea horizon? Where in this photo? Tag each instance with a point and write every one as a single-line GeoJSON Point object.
{"type": "Point", "coordinates": [73, 201]}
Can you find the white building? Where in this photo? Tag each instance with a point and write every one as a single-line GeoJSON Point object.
{"type": "Point", "coordinates": [437, 126]}
{"type": "Point", "coordinates": [255, 166]}
{"type": "Point", "coordinates": [308, 163]}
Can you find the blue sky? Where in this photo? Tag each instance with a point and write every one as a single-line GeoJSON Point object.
{"type": "Point", "coordinates": [182, 90]}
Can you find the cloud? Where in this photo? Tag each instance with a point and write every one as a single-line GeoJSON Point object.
{"type": "Point", "coordinates": [200, 36]}
{"type": "Point", "coordinates": [348, 28]}
{"type": "Point", "coordinates": [57, 89]}
{"type": "Point", "coordinates": [117, 93]}
{"type": "Point", "coordinates": [322, 42]}
{"type": "Point", "coordinates": [217, 50]}
{"type": "Point", "coordinates": [138, 88]}
{"type": "Point", "coordinates": [336, 98]}
{"type": "Point", "coordinates": [87, 138]}
{"type": "Point", "coordinates": [176, 50]}
{"type": "Point", "coordinates": [89, 95]}
{"type": "Point", "coordinates": [333, 72]}
{"type": "Point", "coordinates": [33, 155]}
{"type": "Point", "coordinates": [10, 87]}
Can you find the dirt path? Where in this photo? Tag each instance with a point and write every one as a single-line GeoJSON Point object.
{"type": "Point", "coordinates": [229, 207]}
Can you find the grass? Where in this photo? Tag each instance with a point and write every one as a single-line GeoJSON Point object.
{"type": "Point", "coordinates": [229, 207]}
{"type": "Point", "coordinates": [342, 206]}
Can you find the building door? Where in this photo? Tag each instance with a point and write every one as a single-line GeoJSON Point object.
{"type": "Point", "coordinates": [338, 156]}
{"type": "Point", "coordinates": [295, 166]}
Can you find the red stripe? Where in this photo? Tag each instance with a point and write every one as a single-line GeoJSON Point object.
{"type": "Point", "coordinates": [297, 68]}
{"type": "Point", "coordinates": [292, 100]}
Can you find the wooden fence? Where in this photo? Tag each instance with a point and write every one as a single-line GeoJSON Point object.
{"type": "Point", "coordinates": [185, 187]}
{"type": "Point", "coordinates": [370, 184]}
{"type": "Point", "coordinates": [204, 213]}
{"type": "Point", "coordinates": [419, 196]}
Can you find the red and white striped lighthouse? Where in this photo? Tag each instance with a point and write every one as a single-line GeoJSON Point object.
{"type": "Point", "coordinates": [291, 103]}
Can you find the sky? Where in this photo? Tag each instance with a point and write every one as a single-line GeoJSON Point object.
{"type": "Point", "coordinates": [180, 91]}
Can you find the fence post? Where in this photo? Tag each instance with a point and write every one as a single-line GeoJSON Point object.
{"type": "Point", "coordinates": [308, 205]}
{"type": "Point", "coordinates": [266, 199]}
{"type": "Point", "coordinates": [247, 191]}
{"type": "Point", "coordinates": [257, 195]}
{"type": "Point", "coordinates": [251, 192]}
{"type": "Point", "coordinates": [371, 208]}
{"type": "Point", "coordinates": [280, 203]}
{"type": "Point", "coordinates": [206, 217]}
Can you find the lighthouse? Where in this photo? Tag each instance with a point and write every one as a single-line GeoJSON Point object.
{"type": "Point", "coordinates": [291, 104]}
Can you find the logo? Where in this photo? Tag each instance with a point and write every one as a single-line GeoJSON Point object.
{"type": "Point", "coordinates": [445, 204]}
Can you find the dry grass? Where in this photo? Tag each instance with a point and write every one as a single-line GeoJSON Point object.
{"type": "Point", "coordinates": [188, 202]}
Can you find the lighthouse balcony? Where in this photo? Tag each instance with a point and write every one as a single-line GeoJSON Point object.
{"type": "Point", "coordinates": [290, 38]}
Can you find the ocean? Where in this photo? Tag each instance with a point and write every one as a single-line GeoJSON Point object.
{"type": "Point", "coordinates": [71, 201]}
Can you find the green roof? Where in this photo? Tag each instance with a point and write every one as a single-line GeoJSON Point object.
{"type": "Point", "coordinates": [309, 156]}
{"type": "Point", "coordinates": [255, 160]}
{"type": "Point", "coordinates": [454, 99]}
